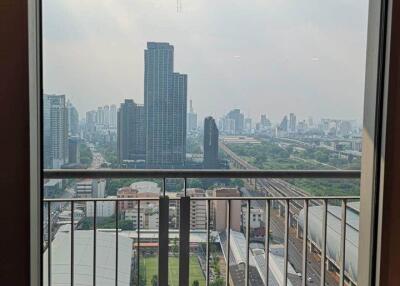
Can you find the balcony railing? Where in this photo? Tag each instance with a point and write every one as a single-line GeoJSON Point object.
{"type": "Point", "coordinates": [295, 205]}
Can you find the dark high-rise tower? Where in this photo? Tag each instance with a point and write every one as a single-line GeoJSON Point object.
{"type": "Point", "coordinates": [131, 131]}
{"type": "Point", "coordinates": [165, 100]}
{"type": "Point", "coordinates": [210, 143]}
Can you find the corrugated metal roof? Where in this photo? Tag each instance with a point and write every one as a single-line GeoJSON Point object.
{"type": "Point", "coordinates": [83, 259]}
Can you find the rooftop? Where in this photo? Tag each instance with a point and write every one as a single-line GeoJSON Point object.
{"type": "Point", "coordinates": [83, 258]}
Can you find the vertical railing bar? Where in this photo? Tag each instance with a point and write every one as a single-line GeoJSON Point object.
{"type": "Point", "coordinates": [164, 186]}
{"type": "Point", "coordinates": [208, 244]}
{"type": "Point", "coordinates": [266, 248]}
{"type": "Point", "coordinates": [94, 241]}
{"type": "Point", "coordinates": [286, 251]}
{"type": "Point", "coordinates": [247, 274]}
{"type": "Point", "coordinates": [185, 186]}
{"type": "Point", "coordinates": [228, 238]}
{"type": "Point", "coordinates": [163, 239]}
{"type": "Point", "coordinates": [138, 242]}
{"type": "Point", "coordinates": [116, 241]}
{"type": "Point", "coordinates": [184, 236]}
{"type": "Point", "coordinates": [305, 238]}
{"type": "Point", "coordinates": [323, 248]}
{"type": "Point", "coordinates": [49, 243]}
{"type": "Point", "coordinates": [72, 243]}
{"type": "Point", "coordinates": [343, 243]}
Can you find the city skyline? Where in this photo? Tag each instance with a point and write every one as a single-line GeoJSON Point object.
{"type": "Point", "coordinates": [305, 64]}
{"type": "Point", "coordinates": [256, 118]}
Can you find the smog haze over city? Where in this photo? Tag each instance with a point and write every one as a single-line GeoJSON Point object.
{"type": "Point", "coordinates": [272, 57]}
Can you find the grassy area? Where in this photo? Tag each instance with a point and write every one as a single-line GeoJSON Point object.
{"type": "Point", "coordinates": [149, 268]}
{"type": "Point", "coordinates": [270, 156]}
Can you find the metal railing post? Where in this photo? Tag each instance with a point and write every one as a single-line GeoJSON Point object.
{"type": "Point", "coordinates": [72, 243]}
{"type": "Point", "coordinates": [94, 241]}
{"type": "Point", "coordinates": [164, 188]}
{"type": "Point", "coordinates": [228, 239]}
{"type": "Point", "coordinates": [305, 238]}
{"type": "Point", "coordinates": [248, 224]}
{"type": "Point", "coordinates": [323, 247]}
{"type": "Point", "coordinates": [116, 240]}
{"type": "Point", "coordinates": [208, 244]}
{"type": "Point", "coordinates": [184, 236]}
{"type": "Point", "coordinates": [286, 250]}
{"type": "Point", "coordinates": [138, 243]}
{"type": "Point", "coordinates": [49, 244]}
{"type": "Point", "coordinates": [266, 248]}
{"type": "Point", "coordinates": [343, 243]}
{"type": "Point", "coordinates": [163, 240]}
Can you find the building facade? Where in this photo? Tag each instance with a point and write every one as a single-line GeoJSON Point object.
{"type": "Point", "coordinates": [191, 119]}
{"type": "Point", "coordinates": [165, 101]}
{"type": "Point", "coordinates": [73, 120]}
{"type": "Point", "coordinates": [131, 136]}
{"type": "Point", "coordinates": [210, 145]}
{"type": "Point", "coordinates": [238, 118]}
{"type": "Point", "coordinates": [219, 209]}
{"type": "Point", "coordinates": [55, 131]}
{"type": "Point", "coordinates": [73, 150]}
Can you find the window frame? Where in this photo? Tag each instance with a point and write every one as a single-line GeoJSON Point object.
{"type": "Point", "coordinates": [373, 144]}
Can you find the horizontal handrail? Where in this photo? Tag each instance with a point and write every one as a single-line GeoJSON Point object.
{"type": "Point", "coordinates": [291, 198]}
{"type": "Point", "coordinates": [190, 173]}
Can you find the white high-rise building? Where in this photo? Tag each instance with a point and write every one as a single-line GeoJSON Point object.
{"type": "Point", "coordinates": [103, 209]}
{"type": "Point", "coordinates": [113, 116]}
{"type": "Point", "coordinates": [55, 131]}
{"type": "Point", "coordinates": [191, 119]}
{"type": "Point", "coordinates": [198, 209]}
{"type": "Point", "coordinates": [106, 118]}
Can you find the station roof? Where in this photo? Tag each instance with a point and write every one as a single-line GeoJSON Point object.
{"type": "Point", "coordinates": [83, 258]}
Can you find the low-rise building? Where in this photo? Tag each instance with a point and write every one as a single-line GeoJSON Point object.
{"type": "Point", "coordinates": [103, 209]}
{"type": "Point", "coordinates": [219, 209]}
{"type": "Point", "coordinates": [198, 209]}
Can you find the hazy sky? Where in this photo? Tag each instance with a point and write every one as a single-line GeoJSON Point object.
{"type": "Point", "coordinates": [263, 56]}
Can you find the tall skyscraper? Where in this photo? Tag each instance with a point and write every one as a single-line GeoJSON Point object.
{"type": "Point", "coordinates": [191, 118]}
{"type": "Point", "coordinates": [106, 117]}
{"type": "Point", "coordinates": [73, 120]}
{"type": "Point", "coordinates": [131, 131]}
{"type": "Point", "coordinates": [113, 116]}
{"type": "Point", "coordinates": [263, 120]}
{"type": "Point", "coordinates": [165, 101]}
{"type": "Point", "coordinates": [55, 131]}
{"type": "Point", "coordinates": [284, 124]}
{"type": "Point", "coordinates": [248, 124]}
{"type": "Point", "coordinates": [238, 117]}
{"type": "Point", "coordinates": [292, 122]}
{"type": "Point", "coordinates": [100, 115]}
{"type": "Point", "coordinates": [90, 123]}
{"type": "Point", "coordinates": [211, 134]}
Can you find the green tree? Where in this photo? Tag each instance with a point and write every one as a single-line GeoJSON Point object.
{"type": "Point", "coordinates": [217, 282]}
{"type": "Point", "coordinates": [85, 154]}
{"type": "Point", "coordinates": [195, 283]}
{"type": "Point", "coordinates": [154, 280]}
{"type": "Point", "coordinates": [175, 246]}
